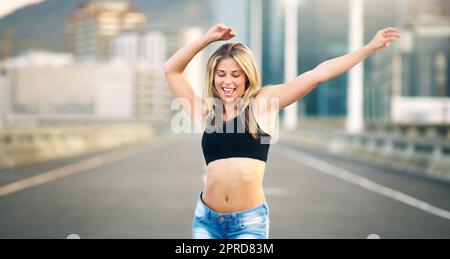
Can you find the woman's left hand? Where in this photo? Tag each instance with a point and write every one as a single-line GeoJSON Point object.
{"type": "Point", "coordinates": [383, 39]}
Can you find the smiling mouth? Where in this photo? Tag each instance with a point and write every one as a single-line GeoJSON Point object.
{"type": "Point", "coordinates": [228, 91]}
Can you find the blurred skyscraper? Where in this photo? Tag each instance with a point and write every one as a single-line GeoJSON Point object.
{"type": "Point", "coordinates": [405, 79]}
{"type": "Point", "coordinates": [273, 43]}
{"type": "Point", "coordinates": [91, 27]}
{"type": "Point", "coordinates": [142, 46]}
{"type": "Point", "coordinates": [427, 59]}
{"type": "Point", "coordinates": [246, 18]}
{"type": "Point", "coordinates": [235, 13]}
{"type": "Point", "coordinates": [416, 65]}
{"type": "Point", "coordinates": [4, 95]}
{"type": "Point", "coordinates": [151, 97]}
{"type": "Point", "coordinates": [145, 52]}
{"type": "Point", "coordinates": [322, 34]}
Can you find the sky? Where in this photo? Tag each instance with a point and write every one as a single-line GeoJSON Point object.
{"type": "Point", "coordinates": [9, 6]}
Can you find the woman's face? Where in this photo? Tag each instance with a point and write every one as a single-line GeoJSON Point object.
{"type": "Point", "coordinates": [229, 80]}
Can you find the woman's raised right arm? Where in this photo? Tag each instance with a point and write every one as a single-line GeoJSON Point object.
{"type": "Point", "coordinates": [179, 61]}
{"type": "Point", "coordinates": [174, 67]}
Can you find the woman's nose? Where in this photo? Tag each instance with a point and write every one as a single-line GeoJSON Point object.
{"type": "Point", "coordinates": [228, 81]}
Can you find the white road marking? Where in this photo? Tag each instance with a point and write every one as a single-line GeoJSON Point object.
{"type": "Point", "coordinates": [329, 169]}
{"type": "Point", "coordinates": [79, 167]}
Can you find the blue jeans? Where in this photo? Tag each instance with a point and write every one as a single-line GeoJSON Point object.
{"type": "Point", "coordinates": [248, 224]}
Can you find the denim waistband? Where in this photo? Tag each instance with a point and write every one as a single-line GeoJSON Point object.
{"type": "Point", "coordinates": [211, 214]}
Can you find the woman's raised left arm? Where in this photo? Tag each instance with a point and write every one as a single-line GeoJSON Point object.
{"type": "Point", "coordinates": [299, 87]}
{"type": "Point", "coordinates": [335, 67]}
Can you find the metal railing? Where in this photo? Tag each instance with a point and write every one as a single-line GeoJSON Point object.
{"type": "Point", "coordinates": [440, 131]}
{"type": "Point", "coordinates": [423, 156]}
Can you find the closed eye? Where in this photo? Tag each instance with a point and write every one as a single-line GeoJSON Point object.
{"type": "Point", "coordinates": [235, 76]}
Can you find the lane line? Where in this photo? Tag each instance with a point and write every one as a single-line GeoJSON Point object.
{"type": "Point", "coordinates": [350, 177]}
{"type": "Point", "coordinates": [76, 168]}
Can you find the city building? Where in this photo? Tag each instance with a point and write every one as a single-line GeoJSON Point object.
{"type": "Point", "coordinates": [91, 27]}
{"type": "Point", "coordinates": [322, 35]}
{"type": "Point", "coordinates": [147, 47]}
{"type": "Point", "coordinates": [50, 89]}
{"type": "Point", "coordinates": [414, 73]}
{"type": "Point", "coordinates": [415, 66]}
{"type": "Point", "coordinates": [234, 13]}
{"type": "Point", "coordinates": [4, 94]}
{"type": "Point", "coordinates": [145, 52]}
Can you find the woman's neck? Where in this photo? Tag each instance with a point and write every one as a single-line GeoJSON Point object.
{"type": "Point", "coordinates": [230, 111]}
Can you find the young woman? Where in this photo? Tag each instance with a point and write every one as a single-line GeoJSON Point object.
{"type": "Point", "coordinates": [232, 204]}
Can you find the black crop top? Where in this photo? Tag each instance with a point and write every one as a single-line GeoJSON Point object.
{"type": "Point", "coordinates": [233, 143]}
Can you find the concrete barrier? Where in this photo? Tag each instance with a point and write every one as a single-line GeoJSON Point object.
{"type": "Point", "coordinates": [27, 145]}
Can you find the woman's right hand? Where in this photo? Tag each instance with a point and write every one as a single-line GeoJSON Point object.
{"type": "Point", "coordinates": [220, 32]}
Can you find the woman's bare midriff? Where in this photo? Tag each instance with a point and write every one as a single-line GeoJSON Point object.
{"type": "Point", "coordinates": [234, 184]}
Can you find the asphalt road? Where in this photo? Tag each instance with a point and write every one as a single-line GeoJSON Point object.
{"type": "Point", "coordinates": [150, 191]}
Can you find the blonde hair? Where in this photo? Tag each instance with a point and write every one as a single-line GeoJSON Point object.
{"type": "Point", "coordinates": [244, 57]}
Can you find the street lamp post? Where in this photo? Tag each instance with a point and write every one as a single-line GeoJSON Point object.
{"type": "Point", "coordinates": [290, 58]}
{"type": "Point", "coordinates": [256, 24]}
{"type": "Point", "coordinates": [355, 102]}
